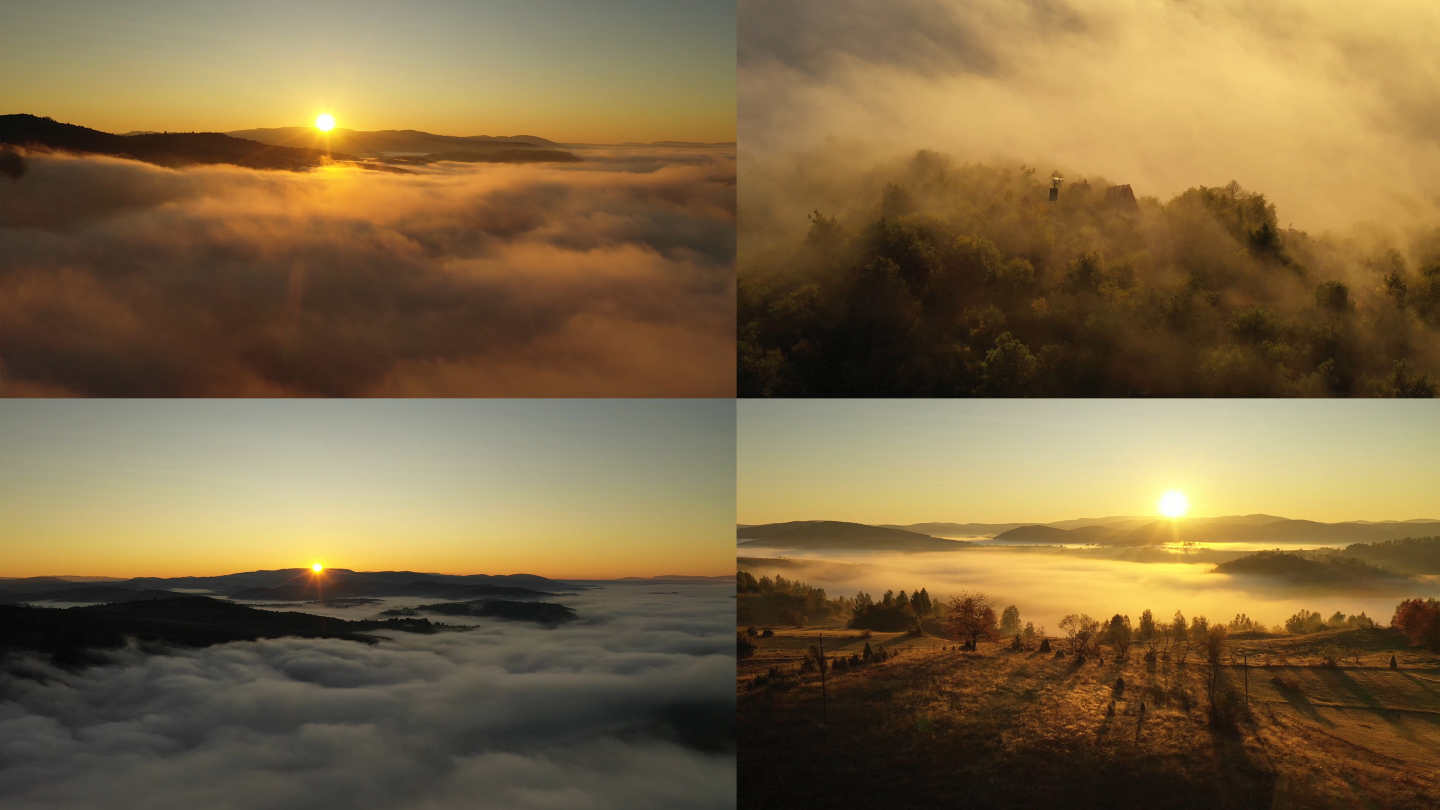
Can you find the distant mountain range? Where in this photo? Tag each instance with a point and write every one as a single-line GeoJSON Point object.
{"type": "Point", "coordinates": [387, 141]}
{"type": "Point", "coordinates": [287, 148]}
{"type": "Point", "coordinates": [161, 148]}
{"type": "Point", "coordinates": [1113, 531]}
{"type": "Point", "coordinates": [288, 585]}
{"type": "Point", "coordinates": [839, 534]}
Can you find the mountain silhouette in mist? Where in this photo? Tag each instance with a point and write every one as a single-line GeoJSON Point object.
{"type": "Point", "coordinates": [1125, 532]}
{"type": "Point", "coordinates": [386, 141]}
{"type": "Point", "coordinates": [68, 635]}
{"type": "Point", "coordinates": [170, 149]}
{"type": "Point", "coordinates": [840, 534]}
{"type": "Point", "coordinates": [289, 584]}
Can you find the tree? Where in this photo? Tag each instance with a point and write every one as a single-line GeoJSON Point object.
{"type": "Point", "coordinates": [971, 617]}
{"type": "Point", "coordinates": [1028, 634]}
{"type": "Point", "coordinates": [745, 647]}
{"type": "Point", "coordinates": [1010, 621]}
{"type": "Point", "coordinates": [1214, 647]}
{"type": "Point", "coordinates": [920, 602]}
{"type": "Point", "coordinates": [889, 599]}
{"type": "Point", "coordinates": [745, 582]}
{"type": "Point", "coordinates": [1199, 629]}
{"type": "Point", "coordinates": [902, 600]}
{"type": "Point", "coordinates": [1145, 633]}
{"type": "Point", "coordinates": [1180, 633]}
{"type": "Point", "coordinates": [1419, 620]}
{"type": "Point", "coordinates": [1117, 634]}
{"type": "Point", "coordinates": [1080, 632]}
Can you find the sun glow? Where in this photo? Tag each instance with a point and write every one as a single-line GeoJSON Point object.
{"type": "Point", "coordinates": [324, 122]}
{"type": "Point", "coordinates": [1174, 504]}
{"type": "Point", "coordinates": [317, 568]}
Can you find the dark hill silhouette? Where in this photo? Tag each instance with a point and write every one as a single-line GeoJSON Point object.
{"type": "Point", "coordinates": [500, 156]}
{"type": "Point", "coordinates": [955, 529]}
{"type": "Point", "coordinates": [1035, 534]}
{"type": "Point", "coordinates": [87, 593]}
{"type": "Point", "coordinates": [386, 141]}
{"type": "Point", "coordinates": [307, 586]}
{"type": "Point", "coordinates": [164, 149]}
{"type": "Point", "coordinates": [68, 635]}
{"type": "Point", "coordinates": [540, 612]}
{"type": "Point", "coordinates": [1295, 569]}
{"type": "Point", "coordinates": [840, 534]}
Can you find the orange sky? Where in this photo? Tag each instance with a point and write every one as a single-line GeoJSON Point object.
{"type": "Point", "coordinates": [560, 488]}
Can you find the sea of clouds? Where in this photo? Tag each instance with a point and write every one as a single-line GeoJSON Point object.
{"type": "Point", "coordinates": [631, 706]}
{"type": "Point", "coordinates": [610, 277]}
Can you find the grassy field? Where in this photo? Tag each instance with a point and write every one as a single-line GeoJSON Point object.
{"type": "Point", "coordinates": [937, 727]}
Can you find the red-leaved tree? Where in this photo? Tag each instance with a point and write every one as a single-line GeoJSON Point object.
{"type": "Point", "coordinates": [1419, 620]}
{"type": "Point", "coordinates": [972, 617]}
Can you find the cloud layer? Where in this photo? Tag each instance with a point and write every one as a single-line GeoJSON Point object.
{"type": "Point", "coordinates": [615, 711]}
{"type": "Point", "coordinates": [1330, 113]}
{"type": "Point", "coordinates": [612, 277]}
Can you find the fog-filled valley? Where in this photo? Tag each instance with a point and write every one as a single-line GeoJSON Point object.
{"type": "Point", "coordinates": [628, 705]}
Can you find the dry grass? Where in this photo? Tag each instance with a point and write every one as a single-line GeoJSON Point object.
{"type": "Point", "coordinates": [995, 728]}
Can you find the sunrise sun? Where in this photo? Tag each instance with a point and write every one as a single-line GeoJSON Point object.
{"type": "Point", "coordinates": [1174, 504]}
{"type": "Point", "coordinates": [324, 122]}
{"type": "Point", "coordinates": [317, 568]}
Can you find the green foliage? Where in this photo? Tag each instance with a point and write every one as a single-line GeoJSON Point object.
{"type": "Point", "coordinates": [963, 281]}
{"type": "Point", "coordinates": [782, 601]}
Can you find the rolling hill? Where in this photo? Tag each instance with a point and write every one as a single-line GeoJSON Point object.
{"type": "Point", "coordinates": [70, 635]}
{"type": "Point", "coordinates": [170, 149]}
{"type": "Point", "coordinates": [840, 534]}
{"type": "Point", "coordinates": [388, 141]}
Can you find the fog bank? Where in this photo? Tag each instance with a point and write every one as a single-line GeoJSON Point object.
{"type": "Point", "coordinates": [630, 707]}
{"type": "Point", "coordinates": [1330, 111]}
{"type": "Point", "coordinates": [613, 277]}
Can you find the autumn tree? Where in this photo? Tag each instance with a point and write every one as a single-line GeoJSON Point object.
{"type": "Point", "coordinates": [1419, 620]}
{"type": "Point", "coordinates": [1080, 632]}
{"type": "Point", "coordinates": [971, 617]}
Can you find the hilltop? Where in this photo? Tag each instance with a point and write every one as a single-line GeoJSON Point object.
{"type": "Point", "coordinates": [998, 728]}
{"type": "Point", "coordinates": [1303, 570]}
{"type": "Point", "coordinates": [70, 635]}
{"type": "Point", "coordinates": [170, 149]}
{"type": "Point", "coordinates": [841, 534]}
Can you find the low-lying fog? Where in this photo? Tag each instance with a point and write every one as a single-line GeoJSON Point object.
{"type": "Point", "coordinates": [631, 706]}
{"type": "Point", "coordinates": [610, 277]}
{"type": "Point", "coordinates": [1046, 583]}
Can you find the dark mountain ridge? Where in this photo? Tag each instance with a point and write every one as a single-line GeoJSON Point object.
{"type": "Point", "coordinates": [841, 534]}
{"type": "Point", "coordinates": [71, 635]}
{"type": "Point", "coordinates": [171, 149]}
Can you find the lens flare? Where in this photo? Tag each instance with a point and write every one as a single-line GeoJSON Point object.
{"type": "Point", "coordinates": [324, 122]}
{"type": "Point", "coordinates": [317, 568]}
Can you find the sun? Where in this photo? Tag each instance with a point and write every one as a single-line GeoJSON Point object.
{"type": "Point", "coordinates": [317, 568]}
{"type": "Point", "coordinates": [324, 122]}
{"type": "Point", "coordinates": [1174, 504]}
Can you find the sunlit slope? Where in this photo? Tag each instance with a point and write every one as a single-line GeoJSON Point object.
{"type": "Point", "coordinates": [1025, 729]}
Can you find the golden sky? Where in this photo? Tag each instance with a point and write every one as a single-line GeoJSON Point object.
{"type": "Point", "coordinates": [1000, 461]}
{"type": "Point", "coordinates": [572, 71]}
{"type": "Point", "coordinates": [582, 489]}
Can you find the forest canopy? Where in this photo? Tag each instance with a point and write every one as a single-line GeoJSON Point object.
{"type": "Point", "coordinates": [966, 280]}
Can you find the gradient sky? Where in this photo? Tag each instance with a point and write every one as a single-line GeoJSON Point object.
{"type": "Point", "coordinates": [569, 70]}
{"type": "Point", "coordinates": [559, 488]}
{"type": "Point", "coordinates": [913, 461]}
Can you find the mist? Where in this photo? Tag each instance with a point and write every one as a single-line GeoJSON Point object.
{"type": "Point", "coordinates": [1332, 114]}
{"type": "Point", "coordinates": [631, 706]}
{"type": "Point", "coordinates": [1046, 584]}
{"type": "Point", "coordinates": [612, 277]}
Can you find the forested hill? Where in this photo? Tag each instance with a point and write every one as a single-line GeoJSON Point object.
{"type": "Point", "coordinates": [967, 281]}
{"type": "Point", "coordinates": [162, 148]}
